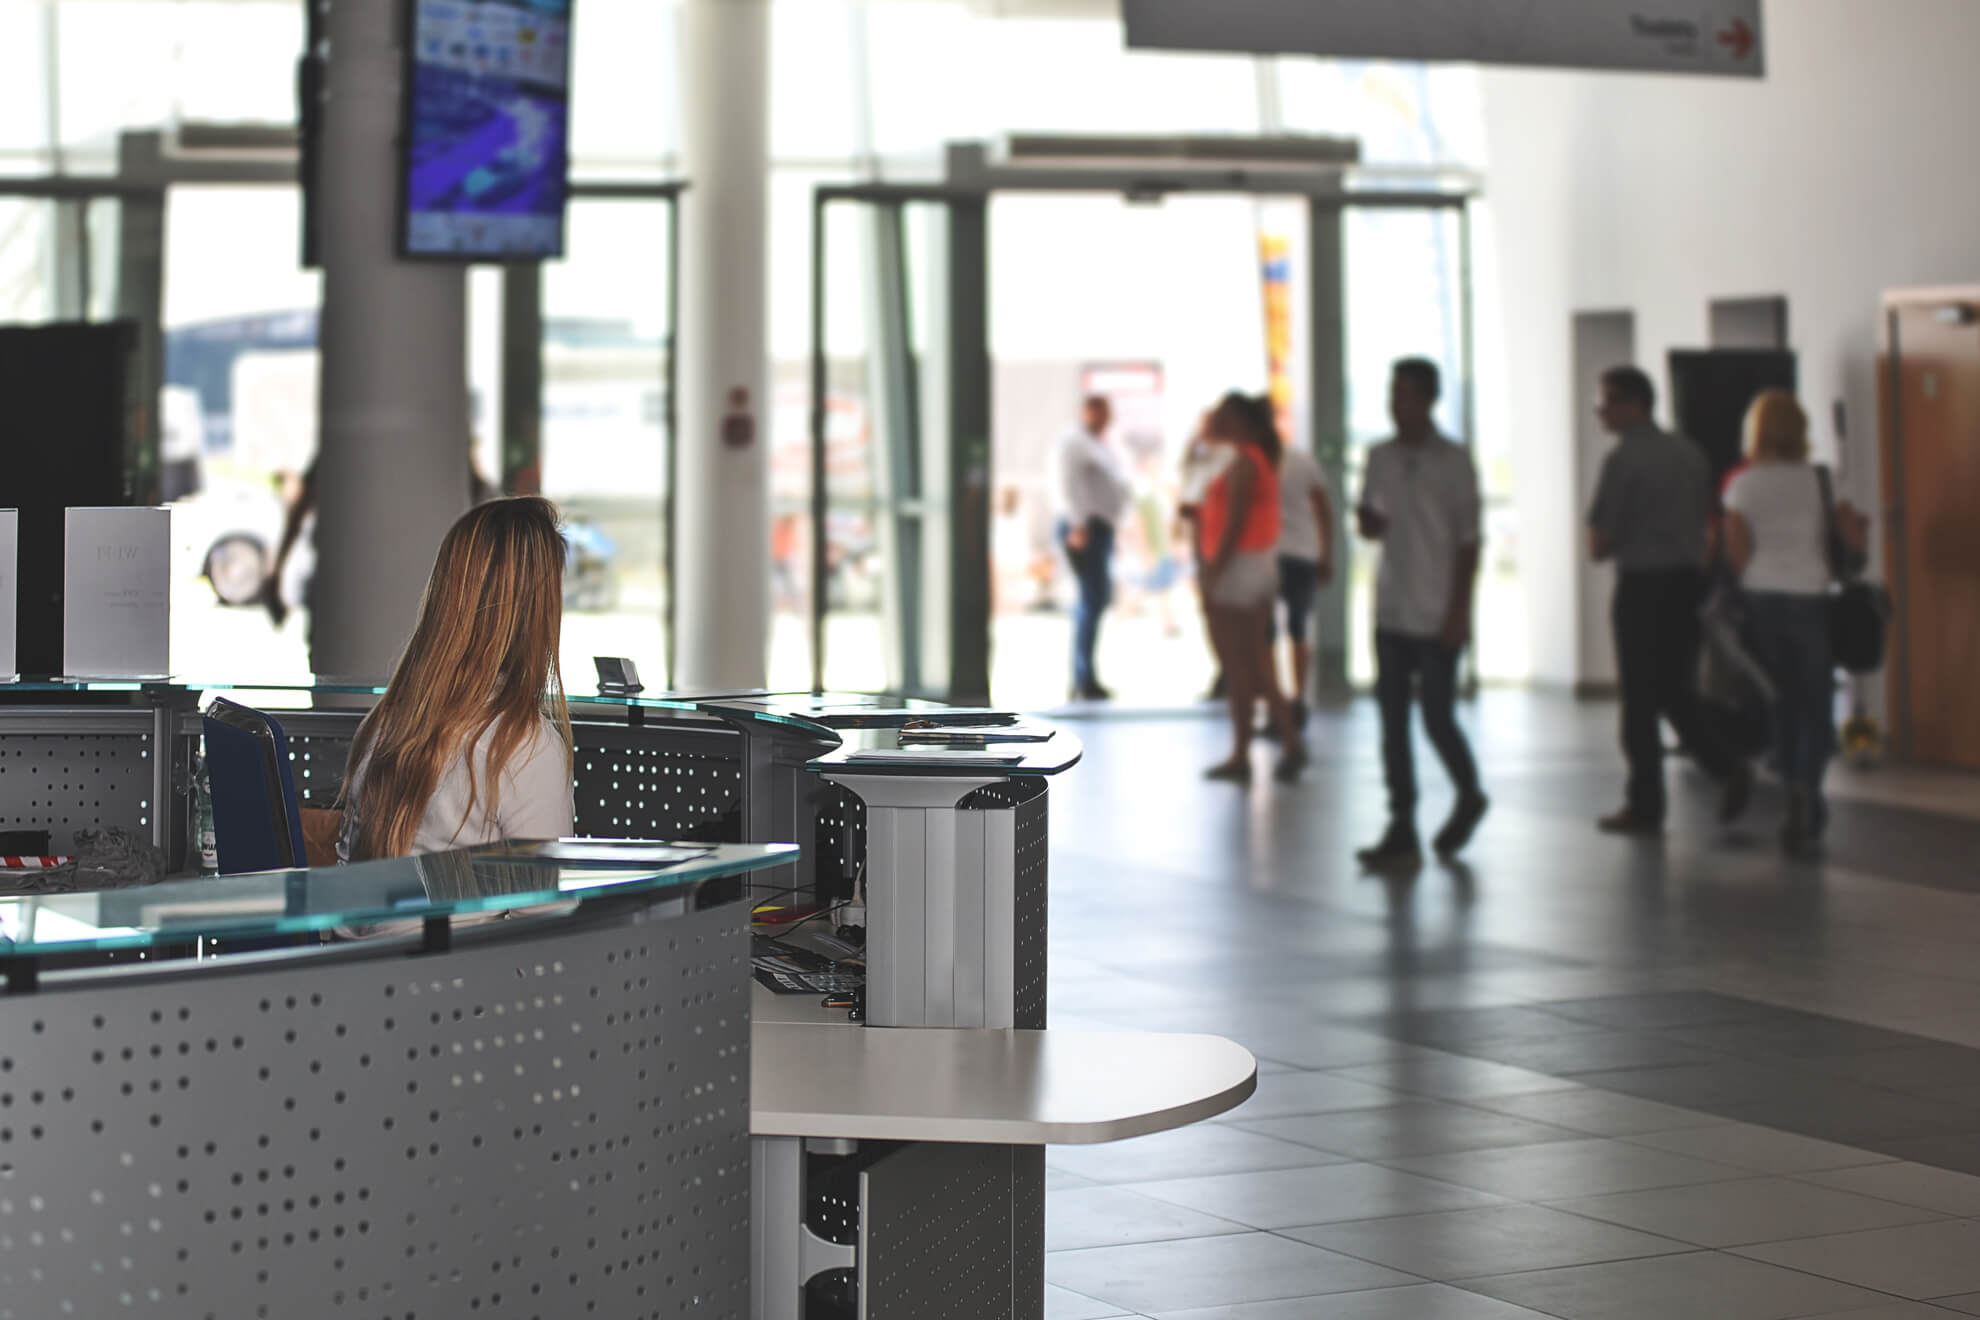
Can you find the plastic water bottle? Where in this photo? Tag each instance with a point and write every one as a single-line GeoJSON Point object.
{"type": "Point", "coordinates": [209, 850]}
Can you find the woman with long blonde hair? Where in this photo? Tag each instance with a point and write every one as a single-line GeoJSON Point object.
{"type": "Point", "coordinates": [472, 741]}
{"type": "Point", "coordinates": [1781, 519]}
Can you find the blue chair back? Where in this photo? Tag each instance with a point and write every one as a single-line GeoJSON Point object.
{"type": "Point", "coordinates": [257, 823]}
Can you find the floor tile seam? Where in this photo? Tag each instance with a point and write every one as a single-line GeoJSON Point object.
{"type": "Point", "coordinates": [1394, 1163]}
{"type": "Point", "coordinates": [1681, 1247]}
{"type": "Point", "coordinates": [1705, 1251]}
{"type": "Point", "coordinates": [1416, 1279]}
{"type": "Point", "coordinates": [1234, 1228]}
{"type": "Point", "coordinates": [1333, 1160]}
{"type": "Point", "coordinates": [1482, 1105]}
{"type": "Point", "coordinates": [1636, 1139]}
{"type": "Point", "coordinates": [1739, 1253]}
{"type": "Point", "coordinates": [1410, 1280]}
{"type": "Point", "coordinates": [1807, 1178]}
{"type": "Point", "coordinates": [1565, 1205]}
{"type": "Point", "coordinates": [1780, 1065]}
{"type": "Point", "coordinates": [1498, 1199]}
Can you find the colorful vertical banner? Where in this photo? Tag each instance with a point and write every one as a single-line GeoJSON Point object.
{"type": "Point", "coordinates": [1275, 270]}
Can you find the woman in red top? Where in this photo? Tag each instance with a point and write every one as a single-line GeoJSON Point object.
{"type": "Point", "coordinates": [1238, 539]}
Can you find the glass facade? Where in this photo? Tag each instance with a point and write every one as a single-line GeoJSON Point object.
{"type": "Point", "coordinates": [1078, 284]}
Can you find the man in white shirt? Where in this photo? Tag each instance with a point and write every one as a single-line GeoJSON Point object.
{"type": "Point", "coordinates": [1419, 498]}
{"type": "Point", "coordinates": [1306, 558]}
{"type": "Point", "coordinates": [1090, 487]}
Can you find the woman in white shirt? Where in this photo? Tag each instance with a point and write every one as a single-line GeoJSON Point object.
{"type": "Point", "coordinates": [1777, 543]}
{"type": "Point", "coordinates": [472, 741]}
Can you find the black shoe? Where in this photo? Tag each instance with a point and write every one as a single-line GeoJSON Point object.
{"type": "Point", "coordinates": [1629, 823]}
{"type": "Point", "coordinates": [1801, 832]}
{"type": "Point", "coordinates": [1230, 772]}
{"type": "Point", "coordinates": [1463, 822]}
{"type": "Point", "coordinates": [1737, 795]}
{"type": "Point", "coordinates": [1291, 764]}
{"type": "Point", "coordinates": [1398, 848]}
{"type": "Point", "coordinates": [1091, 692]}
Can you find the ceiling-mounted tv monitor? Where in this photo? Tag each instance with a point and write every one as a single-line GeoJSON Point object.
{"type": "Point", "coordinates": [485, 129]}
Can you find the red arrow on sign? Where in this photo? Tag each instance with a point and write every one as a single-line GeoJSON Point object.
{"type": "Point", "coordinates": [1738, 38]}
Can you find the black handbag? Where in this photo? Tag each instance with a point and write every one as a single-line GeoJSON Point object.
{"type": "Point", "coordinates": [1859, 611]}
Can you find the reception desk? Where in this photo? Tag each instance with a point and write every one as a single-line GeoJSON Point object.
{"type": "Point", "coordinates": [511, 1081]}
{"type": "Point", "coordinates": [499, 1072]}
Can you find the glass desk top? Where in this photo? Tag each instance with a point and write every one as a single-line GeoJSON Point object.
{"type": "Point", "coordinates": [853, 725]}
{"type": "Point", "coordinates": [779, 707]}
{"type": "Point", "coordinates": [498, 877]}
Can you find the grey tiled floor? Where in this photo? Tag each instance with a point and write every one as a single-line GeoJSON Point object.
{"type": "Point", "coordinates": [1568, 1077]}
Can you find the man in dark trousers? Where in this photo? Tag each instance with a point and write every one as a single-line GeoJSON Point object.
{"type": "Point", "coordinates": [1420, 499]}
{"type": "Point", "coordinates": [1652, 507]}
{"type": "Point", "coordinates": [1090, 487]}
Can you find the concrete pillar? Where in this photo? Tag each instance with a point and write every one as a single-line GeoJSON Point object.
{"type": "Point", "coordinates": [723, 498]}
{"type": "Point", "coordinates": [392, 459]}
{"type": "Point", "coordinates": [1326, 383]}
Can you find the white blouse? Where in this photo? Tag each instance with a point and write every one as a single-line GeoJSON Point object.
{"type": "Point", "coordinates": [537, 801]}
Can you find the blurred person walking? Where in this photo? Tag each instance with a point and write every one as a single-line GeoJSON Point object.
{"type": "Point", "coordinates": [1090, 488]}
{"type": "Point", "coordinates": [1306, 562]}
{"type": "Point", "coordinates": [1238, 539]}
{"type": "Point", "coordinates": [1420, 499]}
{"type": "Point", "coordinates": [1652, 509]}
{"type": "Point", "coordinates": [1203, 460]}
{"type": "Point", "coordinates": [1786, 539]}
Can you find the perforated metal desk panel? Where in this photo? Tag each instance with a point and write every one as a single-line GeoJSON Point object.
{"type": "Point", "coordinates": [534, 1117]}
{"type": "Point", "coordinates": [87, 755]}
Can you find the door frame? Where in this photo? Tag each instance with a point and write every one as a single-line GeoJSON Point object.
{"type": "Point", "coordinates": [1899, 715]}
{"type": "Point", "coordinates": [973, 177]}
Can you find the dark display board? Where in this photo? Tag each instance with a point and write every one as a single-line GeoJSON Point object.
{"type": "Point", "coordinates": [65, 431]}
{"type": "Point", "coordinates": [486, 129]}
{"type": "Point", "coordinates": [1711, 390]}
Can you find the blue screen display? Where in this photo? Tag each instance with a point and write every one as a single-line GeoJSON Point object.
{"type": "Point", "coordinates": [487, 129]}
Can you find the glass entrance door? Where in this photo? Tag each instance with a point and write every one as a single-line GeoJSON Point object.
{"type": "Point", "coordinates": [894, 516]}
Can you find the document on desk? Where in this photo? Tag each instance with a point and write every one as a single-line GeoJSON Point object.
{"type": "Point", "coordinates": [117, 593]}
{"type": "Point", "coordinates": [932, 756]}
{"type": "Point", "coordinates": [976, 735]}
{"type": "Point", "coordinates": [603, 852]}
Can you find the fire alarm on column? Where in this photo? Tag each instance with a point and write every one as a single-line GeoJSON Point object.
{"type": "Point", "coordinates": [738, 421]}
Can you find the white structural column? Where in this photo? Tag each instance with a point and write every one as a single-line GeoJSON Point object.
{"type": "Point", "coordinates": [723, 500]}
{"type": "Point", "coordinates": [393, 406]}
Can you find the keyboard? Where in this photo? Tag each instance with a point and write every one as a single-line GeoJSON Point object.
{"type": "Point", "coordinates": [784, 981]}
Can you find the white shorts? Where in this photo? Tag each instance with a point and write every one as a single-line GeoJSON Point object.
{"type": "Point", "coordinates": [1249, 581]}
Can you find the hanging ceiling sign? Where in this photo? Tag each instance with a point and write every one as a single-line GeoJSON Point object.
{"type": "Point", "coordinates": [1653, 36]}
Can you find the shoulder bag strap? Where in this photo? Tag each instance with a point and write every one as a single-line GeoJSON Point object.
{"type": "Point", "coordinates": [1832, 541]}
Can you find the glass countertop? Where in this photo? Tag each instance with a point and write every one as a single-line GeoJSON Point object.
{"type": "Point", "coordinates": [496, 878]}
{"type": "Point", "coordinates": [859, 721]}
{"type": "Point", "coordinates": [756, 701]}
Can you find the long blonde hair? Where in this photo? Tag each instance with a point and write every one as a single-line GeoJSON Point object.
{"type": "Point", "coordinates": [483, 657]}
{"type": "Point", "coordinates": [1776, 428]}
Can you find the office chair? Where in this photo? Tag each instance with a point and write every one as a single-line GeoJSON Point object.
{"type": "Point", "coordinates": [257, 825]}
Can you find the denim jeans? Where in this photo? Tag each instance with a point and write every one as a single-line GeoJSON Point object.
{"type": "Point", "coordinates": [1789, 636]}
{"type": "Point", "coordinates": [1093, 566]}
